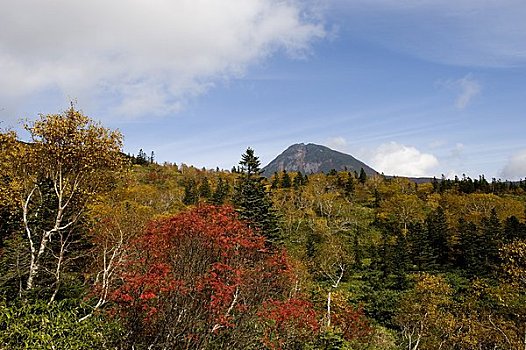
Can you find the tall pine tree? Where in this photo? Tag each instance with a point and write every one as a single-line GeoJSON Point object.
{"type": "Point", "coordinates": [438, 233]}
{"type": "Point", "coordinates": [285, 180]}
{"type": "Point", "coordinates": [221, 192]}
{"type": "Point", "coordinates": [252, 201]}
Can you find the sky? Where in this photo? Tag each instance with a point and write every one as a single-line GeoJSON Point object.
{"type": "Point", "coordinates": [410, 87]}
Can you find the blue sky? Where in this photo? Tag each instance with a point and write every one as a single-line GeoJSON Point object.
{"type": "Point", "coordinates": [411, 87]}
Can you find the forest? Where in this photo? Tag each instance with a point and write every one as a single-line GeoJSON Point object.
{"type": "Point", "coordinates": [103, 250]}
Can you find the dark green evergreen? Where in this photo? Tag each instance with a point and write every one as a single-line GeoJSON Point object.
{"type": "Point", "coordinates": [402, 261]}
{"type": "Point", "coordinates": [190, 192]}
{"type": "Point", "coordinates": [141, 158]}
{"type": "Point", "coordinates": [298, 180]}
{"type": "Point", "coordinates": [205, 191]}
{"type": "Point", "coordinates": [472, 249]}
{"type": "Point", "coordinates": [285, 180]}
{"type": "Point", "coordinates": [363, 176]}
{"type": "Point", "coordinates": [275, 181]}
{"type": "Point", "coordinates": [250, 164]}
{"type": "Point", "coordinates": [221, 192]}
{"type": "Point", "coordinates": [513, 229]}
{"type": "Point", "coordinates": [252, 201]}
{"type": "Point", "coordinates": [423, 253]}
{"type": "Point", "coordinates": [438, 233]}
{"type": "Point", "coordinates": [492, 240]}
{"type": "Point", "coordinates": [349, 185]}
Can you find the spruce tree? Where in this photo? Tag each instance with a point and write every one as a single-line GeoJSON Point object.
{"type": "Point", "coordinates": [403, 261]}
{"type": "Point", "coordinates": [250, 164]}
{"type": "Point", "coordinates": [275, 181]}
{"type": "Point", "coordinates": [513, 229]}
{"type": "Point", "coordinates": [422, 252]}
{"type": "Point", "coordinates": [363, 176]}
{"type": "Point", "coordinates": [471, 248]}
{"type": "Point", "coordinates": [298, 180]}
{"type": "Point", "coordinates": [438, 233]}
{"type": "Point", "coordinates": [221, 192]}
{"type": "Point", "coordinates": [141, 158]}
{"type": "Point", "coordinates": [204, 189]}
{"type": "Point", "coordinates": [252, 201]}
{"type": "Point", "coordinates": [492, 240]}
{"type": "Point", "coordinates": [349, 185]}
{"type": "Point", "coordinates": [285, 180]}
{"type": "Point", "coordinates": [190, 192]}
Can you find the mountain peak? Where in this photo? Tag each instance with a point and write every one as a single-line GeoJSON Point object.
{"type": "Point", "coordinates": [312, 158]}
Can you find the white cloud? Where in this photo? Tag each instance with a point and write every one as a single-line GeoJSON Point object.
{"type": "Point", "coordinates": [148, 56]}
{"type": "Point", "coordinates": [469, 88]}
{"type": "Point", "coordinates": [515, 168]}
{"type": "Point", "coordinates": [396, 159]}
{"type": "Point", "coordinates": [466, 88]}
{"type": "Point", "coordinates": [338, 143]}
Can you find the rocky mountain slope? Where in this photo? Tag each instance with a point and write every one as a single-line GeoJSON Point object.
{"type": "Point", "coordinates": [312, 158]}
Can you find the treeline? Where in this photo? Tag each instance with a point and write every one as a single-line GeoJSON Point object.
{"type": "Point", "coordinates": [99, 250]}
{"type": "Point", "coordinates": [481, 185]}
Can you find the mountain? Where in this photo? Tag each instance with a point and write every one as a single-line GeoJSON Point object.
{"type": "Point", "coordinates": [313, 158]}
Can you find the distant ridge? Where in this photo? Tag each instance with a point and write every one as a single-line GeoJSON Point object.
{"type": "Point", "coordinates": [312, 158]}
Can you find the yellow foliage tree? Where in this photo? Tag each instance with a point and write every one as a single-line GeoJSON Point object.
{"type": "Point", "coordinates": [68, 160]}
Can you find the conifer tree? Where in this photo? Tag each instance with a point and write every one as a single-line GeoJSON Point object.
{"type": "Point", "coordinates": [221, 192]}
{"type": "Point", "coordinates": [349, 185]}
{"type": "Point", "coordinates": [285, 180]}
{"type": "Point", "coordinates": [204, 189]}
{"type": "Point", "coordinates": [252, 201]}
{"type": "Point", "coordinates": [469, 246]}
{"type": "Point", "coordinates": [190, 192]}
{"type": "Point", "coordinates": [403, 261]}
{"type": "Point", "coordinates": [423, 254]}
{"type": "Point", "coordinates": [275, 181]}
{"type": "Point", "coordinates": [363, 176]}
{"type": "Point", "coordinates": [250, 164]}
{"type": "Point", "coordinates": [492, 240]}
{"type": "Point", "coordinates": [141, 158]}
{"type": "Point", "coordinates": [514, 229]}
{"type": "Point", "coordinates": [438, 233]}
{"type": "Point", "coordinates": [298, 180]}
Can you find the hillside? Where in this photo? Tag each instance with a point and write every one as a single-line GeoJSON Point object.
{"type": "Point", "coordinates": [312, 158]}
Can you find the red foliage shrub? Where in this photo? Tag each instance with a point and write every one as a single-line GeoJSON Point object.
{"type": "Point", "coordinates": [203, 277]}
{"type": "Point", "coordinates": [288, 322]}
{"type": "Point", "coordinates": [352, 322]}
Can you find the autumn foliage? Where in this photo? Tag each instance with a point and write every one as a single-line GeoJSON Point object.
{"type": "Point", "coordinates": [289, 323]}
{"type": "Point", "coordinates": [202, 278]}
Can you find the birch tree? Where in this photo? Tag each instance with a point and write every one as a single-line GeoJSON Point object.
{"type": "Point", "coordinates": [68, 160]}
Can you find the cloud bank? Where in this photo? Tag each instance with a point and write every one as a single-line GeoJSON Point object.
{"type": "Point", "coordinates": [143, 57]}
{"type": "Point", "coordinates": [515, 168]}
{"type": "Point", "coordinates": [396, 159]}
